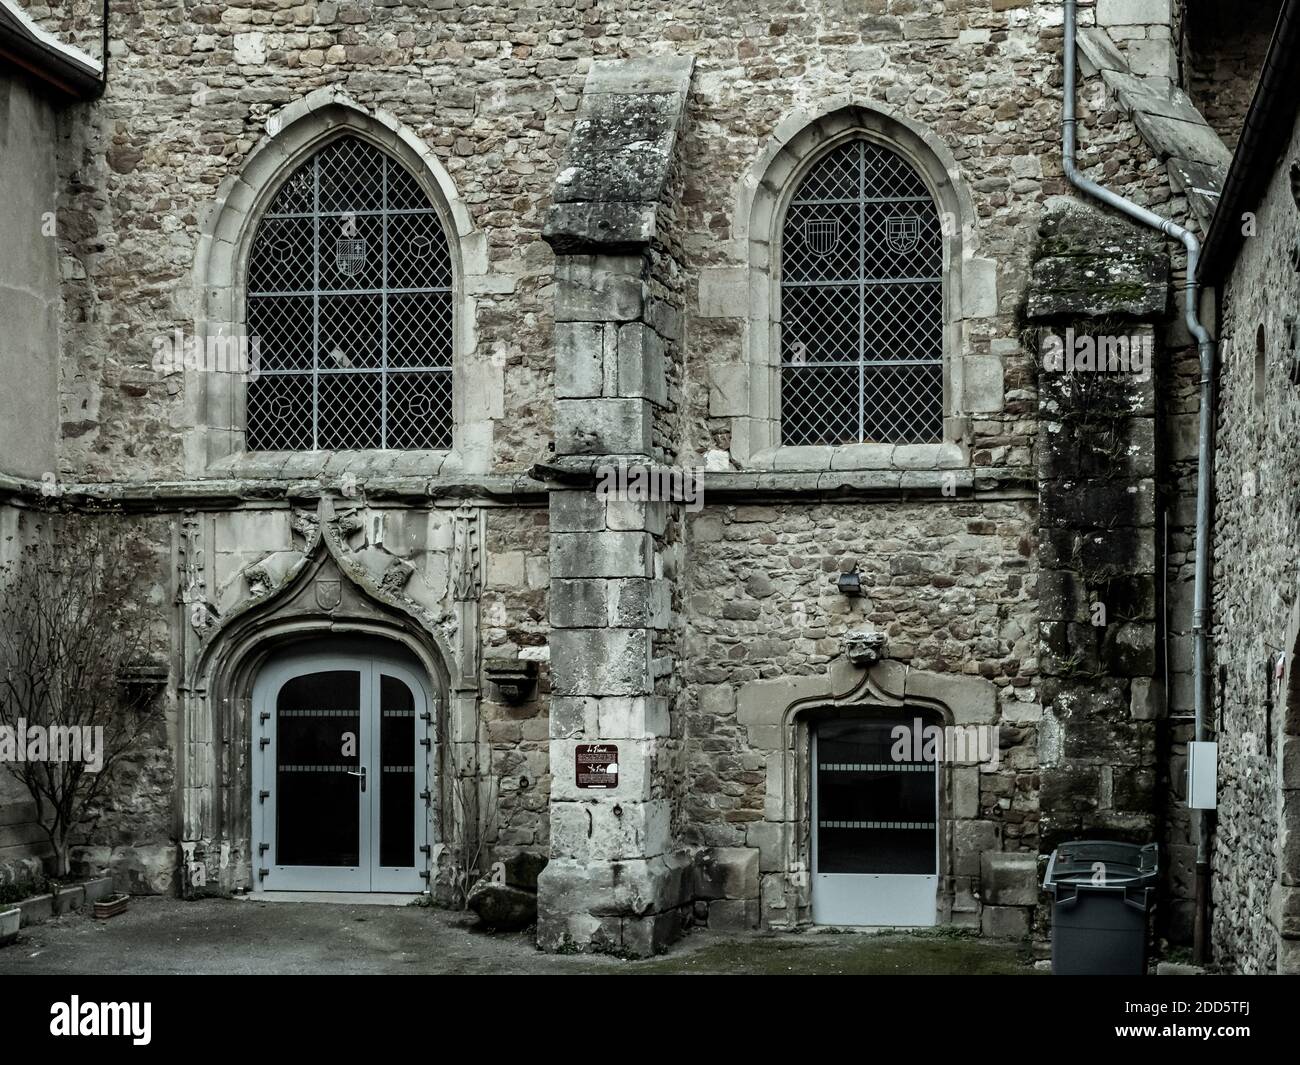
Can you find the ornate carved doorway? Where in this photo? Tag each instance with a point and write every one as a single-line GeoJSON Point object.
{"type": "Point", "coordinates": [342, 774]}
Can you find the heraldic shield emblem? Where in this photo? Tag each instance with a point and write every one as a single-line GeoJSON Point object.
{"type": "Point", "coordinates": [328, 594]}
{"type": "Point", "coordinates": [350, 255]}
{"type": "Point", "coordinates": [821, 235]}
{"type": "Point", "coordinates": [902, 233]}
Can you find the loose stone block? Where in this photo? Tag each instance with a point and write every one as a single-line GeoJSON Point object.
{"type": "Point", "coordinates": [1004, 922]}
{"type": "Point", "coordinates": [727, 873]}
{"type": "Point", "coordinates": [733, 915]}
{"type": "Point", "coordinates": [1009, 879]}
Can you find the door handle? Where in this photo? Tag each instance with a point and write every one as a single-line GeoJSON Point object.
{"type": "Point", "coordinates": [360, 773]}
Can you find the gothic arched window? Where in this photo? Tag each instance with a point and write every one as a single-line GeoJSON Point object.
{"type": "Point", "coordinates": [349, 300]}
{"type": "Point", "coordinates": [862, 317]}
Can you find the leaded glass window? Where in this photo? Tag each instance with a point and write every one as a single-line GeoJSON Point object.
{"type": "Point", "coordinates": [862, 303]}
{"type": "Point", "coordinates": [350, 299]}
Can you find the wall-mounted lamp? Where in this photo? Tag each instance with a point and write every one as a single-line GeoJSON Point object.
{"type": "Point", "coordinates": [849, 583]}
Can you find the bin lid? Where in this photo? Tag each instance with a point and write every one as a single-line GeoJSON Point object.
{"type": "Point", "coordinates": [1103, 863]}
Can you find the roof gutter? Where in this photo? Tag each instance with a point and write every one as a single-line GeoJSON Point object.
{"type": "Point", "coordinates": [66, 69]}
{"type": "Point", "coordinates": [1267, 126]}
{"type": "Point", "coordinates": [1206, 348]}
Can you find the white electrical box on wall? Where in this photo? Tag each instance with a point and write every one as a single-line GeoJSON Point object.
{"type": "Point", "coordinates": [1202, 776]}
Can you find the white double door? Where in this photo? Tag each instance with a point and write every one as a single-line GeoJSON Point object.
{"type": "Point", "coordinates": [875, 826]}
{"type": "Point", "coordinates": [342, 748]}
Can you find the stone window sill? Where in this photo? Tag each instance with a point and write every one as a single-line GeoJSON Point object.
{"type": "Point", "coordinates": [949, 455]}
{"type": "Point", "coordinates": [300, 465]}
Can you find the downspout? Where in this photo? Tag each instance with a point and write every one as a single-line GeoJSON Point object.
{"type": "Point", "coordinates": [103, 53]}
{"type": "Point", "coordinates": [1205, 346]}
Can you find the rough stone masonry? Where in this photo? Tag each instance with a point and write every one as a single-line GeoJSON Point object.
{"type": "Point", "coordinates": [613, 180]}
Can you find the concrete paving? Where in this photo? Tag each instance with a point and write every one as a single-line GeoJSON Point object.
{"type": "Point", "coordinates": [166, 936]}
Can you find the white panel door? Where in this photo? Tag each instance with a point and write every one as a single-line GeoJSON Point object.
{"type": "Point", "coordinates": [875, 827]}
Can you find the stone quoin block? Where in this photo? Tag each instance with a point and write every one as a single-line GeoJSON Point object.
{"type": "Point", "coordinates": [601, 662]}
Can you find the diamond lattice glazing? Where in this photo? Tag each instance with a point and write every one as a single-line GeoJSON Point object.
{"type": "Point", "coordinates": [349, 297]}
{"type": "Point", "coordinates": [862, 303]}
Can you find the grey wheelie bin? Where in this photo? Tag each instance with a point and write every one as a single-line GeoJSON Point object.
{"type": "Point", "coordinates": [1103, 892]}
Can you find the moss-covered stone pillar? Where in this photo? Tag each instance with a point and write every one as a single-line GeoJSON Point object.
{"type": "Point", "coordinates": [1099, 284]}
{"type": "Point", "coordinates": [617, 876]}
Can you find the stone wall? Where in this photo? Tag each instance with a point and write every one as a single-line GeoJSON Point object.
{"type": "Point", "coordinates": [21, 838]}
{"type": "Point", "coordinates": [952, 586]}
{"type": "Point", "coordinates": [493, 94]}
{"type": "Point", "coordinates": [1223, 50]}
{"type": "Point", "coordinates": [29, 280]}
{"type": "Point", "coordinates": [1256, 718]}
{"type": "Point", "coordinates": [1100, 283]}
{"type": "Point", "coordinates": [129, 833]}
{"type": "Point", "coordinates": [739, 595]}
{"type": "Point", "coordinates": [515, 633]}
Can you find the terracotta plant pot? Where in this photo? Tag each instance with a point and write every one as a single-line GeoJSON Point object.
{"type": "Point", "coordinates": [111, 906]}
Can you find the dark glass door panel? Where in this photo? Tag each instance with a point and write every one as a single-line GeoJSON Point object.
{"type": "Point", "coordinates": [318, 785]}
{"type": "Point", "coordinates": [874, 814]}
{"type": "Point", "coordinates": [397, 761]}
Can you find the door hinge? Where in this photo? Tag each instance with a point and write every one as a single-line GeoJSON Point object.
{"type": "Point", "coordinates": [263, 873]}
{"type": "Point", "coordinates": [262, 796]}
{"type": "Point", "coordinates": [262, 848]}
{"type": "Point", "coordinates": [264, 741]}
{"type": "Point", "coordinates": [264, 717]}
{"type": "Point", "coordinates": [427, 797]}
{"type": "Point", "coordinates": [426, 717]}
{"type": "Point", "coordinates": [426, 850]}
{"type": "Point", "coordinates": [424, 874]}
{"type": "Point", "coordinates": [425, 742]}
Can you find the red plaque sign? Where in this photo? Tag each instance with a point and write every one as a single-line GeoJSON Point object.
{"type": "Point", "coordinates": [596, 765]}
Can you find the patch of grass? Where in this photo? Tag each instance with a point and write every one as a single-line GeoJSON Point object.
{"type": "Point", "coordinates": [881, 954]}
{"type": "Point", "coordinates": [942, 932]}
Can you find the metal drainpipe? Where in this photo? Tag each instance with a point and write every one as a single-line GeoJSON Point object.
{"type": "Point", "coordinates": [1205, 346]}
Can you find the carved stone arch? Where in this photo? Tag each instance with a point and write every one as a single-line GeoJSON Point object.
{"type": "Point", "coordinates": [776, 714]}
{"type": "Point", "coordinates": [970, 294]}
{"type": "Point", "coordinates": [215, 400]}
{"type": "Point", "coordinates": [877, 690]}
{"type": "Point", "coordinates": [323, 595]}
